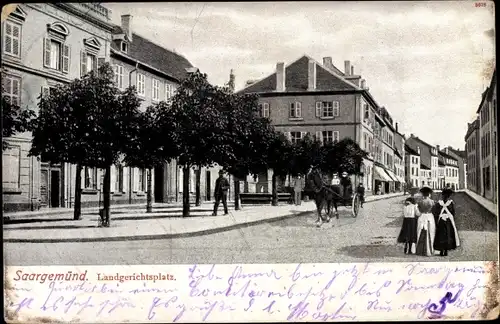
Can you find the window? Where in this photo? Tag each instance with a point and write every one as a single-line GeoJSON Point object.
{"type": "Point", "coordinates": [367, 111]}
{"type": "Point", "coordinates": [264, 110]}
{"type": "Point", "coordinates": [141, 84]}
{"type": "Point", "coordinates": [119, 76]}
{"type": "Point", "coordinates": [327, 109]}
{"type": "Point", "coordinates": [119, 178]}
{"type": "Point", "coordinates": [141, 180]}
{"type": "Point", "coordinates": [90, 178]}
{"type": "Point", "coordinates": [124, 47]}
{"type": "Point", "coordinates": [12, 39]}
{"type": "Point", "coordinates": [56, 55]}
{"type": "Point", "coordinates": [295, 110]}
{"type": "Point", "coordinates": [156, 90]}
{"type": "Point", "coordinates": [11, 89]}
{"type": "Point", "coordinates": [330, 136]}
{"type": "Point", "coordinates": [169, 91]}
{"type": "Point", "coordinates": [295, 137]}
{"type": "Point", "coordinates": [91, 62]}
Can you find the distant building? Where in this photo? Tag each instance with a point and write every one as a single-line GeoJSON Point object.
{"type": "Point", "coordinates": [428, 159]}
{"type": "Point", "coordinates": [309, 97]}
{"type": "Point", "coordinates": [399, 159]}
{"type": "Point", "coordinates": [473, 157]}
{"type": "Point", "coordinates": [451, 171]}
{"type": "Point", "coordinates": [461, 157]}
{"type": "Point", "coordinates": [412, 166]}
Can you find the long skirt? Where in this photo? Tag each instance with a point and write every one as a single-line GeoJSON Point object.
{"type": "Point", "coordinates": [446, 235]}
{"type": "Point", "coordinates": [426, 231]}
{"type": "Point", "coordinates": [408, 232]}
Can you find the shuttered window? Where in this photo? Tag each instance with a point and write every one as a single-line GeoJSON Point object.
{"type": "Point", "coordinates": [141, 84]}
{"type": "Point", "coordinates": [11, 87]}
{"type": "Point", "coordinates": [118, 69]}
{"type": "Point", "coordinates": [56, 55]}
{"type": "Point", "coordinates": [12, 39]}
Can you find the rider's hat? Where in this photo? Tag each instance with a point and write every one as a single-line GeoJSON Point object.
{"type": "Point", "coordinates": [447, 192]}
{"type": "Point", "coordinates": [221, 172]}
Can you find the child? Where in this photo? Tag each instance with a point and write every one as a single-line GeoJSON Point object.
{"type": "Point", "coordinates": [446, 231]}
{"type": "Point", "coordinates": [408, 234]}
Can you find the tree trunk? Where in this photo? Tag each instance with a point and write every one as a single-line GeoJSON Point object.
{"type": "Point", "coordinates": [185, 191]}
{"type": "Point", "coordinates": [275, 191]}
{"type": "Point", "coordinates": [149, 203]}
{"type": "Point", "coordinates": [198, 180]}
{"type": "Point", "coordinates": [107, 195]}
{"type": "Point", "coordinates": [236, 193]}
{"type": "Point", "coordinates": [78, 193]}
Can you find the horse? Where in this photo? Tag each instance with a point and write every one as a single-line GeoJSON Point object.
{"type": "Point", "coordinates": [324, 196]}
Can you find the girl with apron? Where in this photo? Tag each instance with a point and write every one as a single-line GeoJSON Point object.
{"type": "Point", "coordinates": [446, 230]}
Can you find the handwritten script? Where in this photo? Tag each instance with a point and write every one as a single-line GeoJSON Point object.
{"type": "Point", "coordinates": [285, 292]}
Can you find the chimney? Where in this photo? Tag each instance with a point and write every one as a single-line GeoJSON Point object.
{"type": "Point", "coordinates": [418, 150]}
{"type": "Point", "coordinates": [327, 62]}
{"type": "Point", "coordinates": [396, 127]}
{"type": "Point", "coordinates": [280, 77]}
{"type": "Point", "coordinates": [311, 76]}
{"type": "Point", "coordinates": [438, 148]}
{"type": "Point", "coordinates": [127, 26]}
{"type": "Point", "coordinates": [347, 67]}
{"type": "Point", "coordinates": [352, 69]}
{"type": "Point", "coordinates": [363, 84]}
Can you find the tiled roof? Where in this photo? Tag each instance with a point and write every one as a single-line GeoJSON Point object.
{"type": "Point", "coordinates": [492, 85]}
{"type": "Point", "coordinates": [424, 167]}
{"type": "Point", "coordinates": [410, 150]}
{"type": "Point", "coordinates": [158, 57]}
{"type": "Point", "coordinates": [459, 153]}
{"type": "Point", "coordinates": [296, 79]}
{"type": "Point", "coordinates": [483, 98]}
{"type": "Point", "coordinates": [471, 127]}
{"type": "Point", "coordinates": [425, 150]}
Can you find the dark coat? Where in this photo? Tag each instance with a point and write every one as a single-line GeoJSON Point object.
{"type": "Point", "coordinates": [221, 186]}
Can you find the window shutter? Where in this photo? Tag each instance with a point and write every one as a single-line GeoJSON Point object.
{"type": "Point", "coordinates": [291, 110]}
{"type": "Point", "coordinates": [8, 38]}
{"type": "Point", "coordinates": [318, 136]}
{"type": "Point", "coordinates": [298, 109]}
{"type": "Point", "coordinates": [16, 34]}
{"type": "Point", "coordinates": [83, 63]}
{"type": "Point", "coordinates": [15, 91]}
{"type": "Point", "coordinates": [336, 108]}
{"type": "Point", "coordinates": [65, 58]}
{"type": "Point", "coordinates": [288, 135]}
{"type": "Point", "coordinates": [302, 135]}
{"type": "Point", "coordinates": [336, 136]}
{"type": "Point", "coordinates": [318, 108]}
{"type": "Point", "coordinates": [46, 52]}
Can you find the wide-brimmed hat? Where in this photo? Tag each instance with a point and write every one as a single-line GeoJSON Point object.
{"type": "Point", "coordinates": [426, 190]}
{"type": "Point", "coordinates": [411, 200]}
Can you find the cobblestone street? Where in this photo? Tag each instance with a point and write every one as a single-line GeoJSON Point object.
{"type": "Point", "coordinates": [369, 237]}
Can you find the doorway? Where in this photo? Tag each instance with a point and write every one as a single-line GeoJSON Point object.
{"type": "Point", "coordinates": [55, 188]}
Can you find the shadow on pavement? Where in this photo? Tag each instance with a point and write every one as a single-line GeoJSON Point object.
{"type": "Point", "coordinates": [372, 251]}
{"type": "Point", "coordinates": [396, 222]}
{"type": "Point", "coordinates": [7, 221]}
{"type": "Point", "coordinates": [48, 227]}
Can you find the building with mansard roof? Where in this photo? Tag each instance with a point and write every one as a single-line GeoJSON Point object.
{"type": "Point", "coordinates": [309, 97]}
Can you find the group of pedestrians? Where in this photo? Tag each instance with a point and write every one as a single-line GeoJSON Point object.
{"type": "Point", "coordinates": [429, 226]}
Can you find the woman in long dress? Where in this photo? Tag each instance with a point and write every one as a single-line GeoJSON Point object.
{"type": "Point", "coordinates": [408, 233]}
{"type": "Point", "coordinates": [446, 230]}
{"type": "Point", "coordinates": [426, 225]}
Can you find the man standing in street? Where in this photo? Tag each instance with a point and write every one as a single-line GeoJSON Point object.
{"type": "Point", "coordinates": [221, 188]}
{"type": "Point", "coordinates": [361, 192]}
{"type": "Point", "coordinates": [297, 189]}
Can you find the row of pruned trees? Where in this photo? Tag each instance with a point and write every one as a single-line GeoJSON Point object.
{"type": "Point", "coordinates": [90, 122]}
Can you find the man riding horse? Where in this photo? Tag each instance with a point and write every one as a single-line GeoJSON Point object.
{"type": "Point", "coordinates": [325, 194]}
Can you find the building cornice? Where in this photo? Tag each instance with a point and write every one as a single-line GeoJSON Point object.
{"type": "Point", "coordinates": [70, 8]}
{"type": "Point", "coordinates": [45, 74]}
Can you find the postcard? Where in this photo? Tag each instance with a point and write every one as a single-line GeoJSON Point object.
{"type": "Point", "coordinates": [249, 161]}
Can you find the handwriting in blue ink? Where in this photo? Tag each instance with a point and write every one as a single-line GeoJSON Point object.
{"type": "Point", "coordinates": [447, 299]}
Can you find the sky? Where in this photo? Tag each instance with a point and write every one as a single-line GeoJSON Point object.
{"type": "Point", "coordinates": [426, 62]}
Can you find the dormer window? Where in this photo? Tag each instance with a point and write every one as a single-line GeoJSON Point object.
{"type": "Point", "coordinates": [124, 47]}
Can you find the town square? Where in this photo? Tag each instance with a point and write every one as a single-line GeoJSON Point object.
{"type": "Point", "coordinates": [177, 133]}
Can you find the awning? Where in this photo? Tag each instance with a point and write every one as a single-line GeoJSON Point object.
{"type": "Point", "coordinates": [380, 174]}
{"type": "Point", "coordinates": [391, 175]}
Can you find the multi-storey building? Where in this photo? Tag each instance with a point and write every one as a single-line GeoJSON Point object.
{"type": "Point", "coordinates": [399, 159]}
{"type": "Point", "coordinates": [488, 147]}
{"type": "Point", "coordinates": [461, 157]}
{"type": "Point", "coordinates": [45, 44]}
{"type": "Point", "coordinates": [441, 179]}
{"type": "Point", "coordinates": [473, 156]}
{"type": "Point", "coordinates": [425, 176]}
{"type": "Point", "coordinates": [451, 171]}
{"type": "Point", "coordinates": [412, 166]}
{"type": "Point", "coordinates": [308, 97]}
{"type": "Point", "coordinates": [428, 159]}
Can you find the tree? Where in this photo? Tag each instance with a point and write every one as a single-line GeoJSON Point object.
{"type": "Point", "coordinates": [307, 152]}
{"type": "Point", "coordinates": [14, 119]}
{"type": "Point", "coordinates": [88, 123]}
{"type": "Point", "coordinates": [279, 155]}
{"type": "Point", "coordinates": [199, 127]}
{"type": "Point", "coordinates": [343, 156]}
